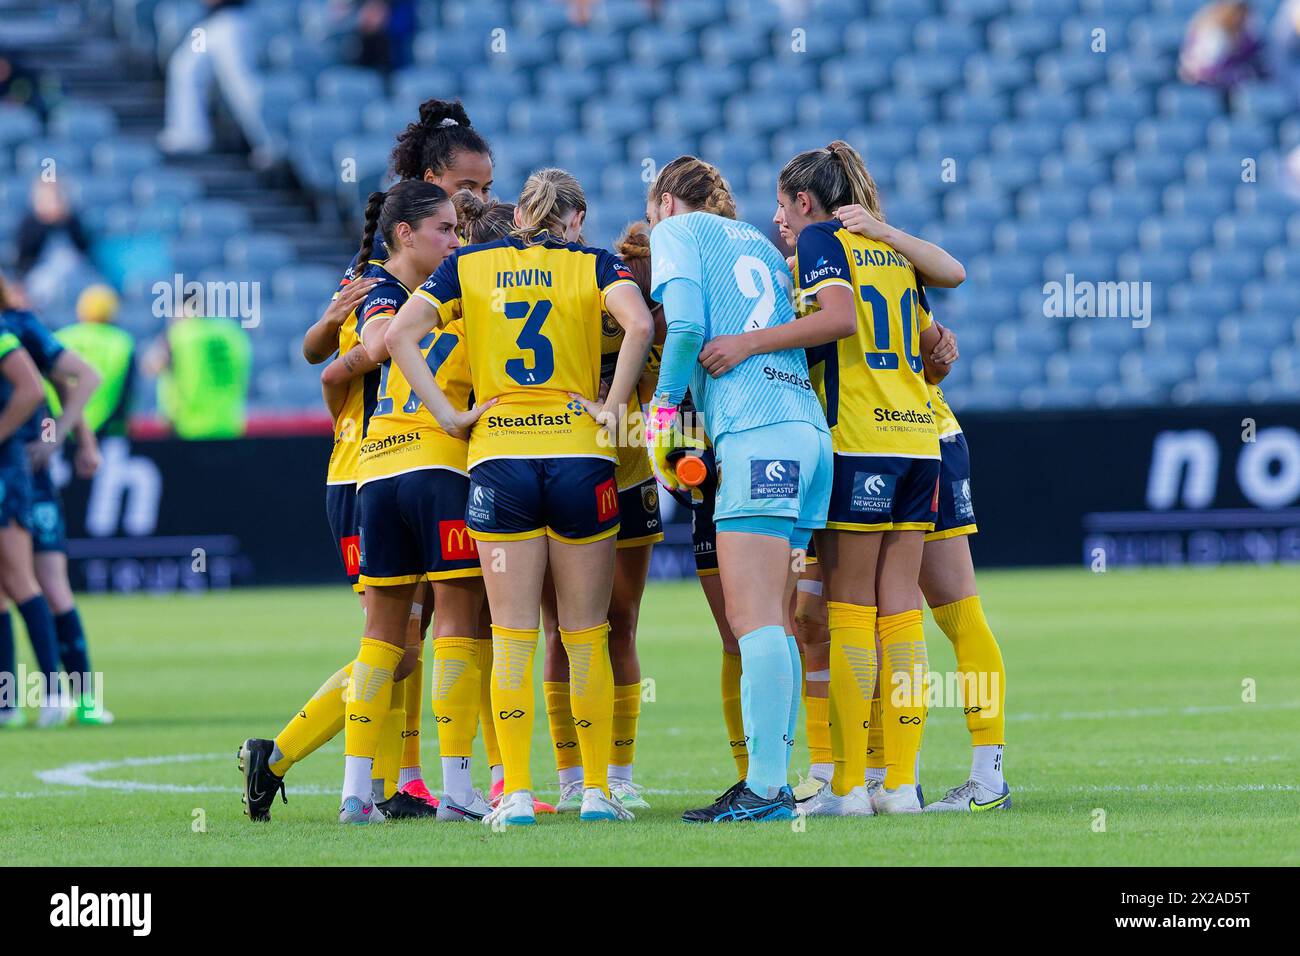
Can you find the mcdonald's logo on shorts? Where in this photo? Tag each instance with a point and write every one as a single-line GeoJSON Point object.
{"type": "Point", "coordinates": [350, 548]}
{"type": "Point", "coordinates": [456, 543]}
{"type": "Point", "coordinates": [606, 500]}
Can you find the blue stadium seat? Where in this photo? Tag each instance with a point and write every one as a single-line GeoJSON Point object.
{"type": "Point", "coordinates": [735, 43]}
{"type": "Point", "coordinates": [1118, 104]}
{"type": "Point", "coordinates": [1093, 266]}
{"type": "Point", "coordinates": [83, 122]}
{"type": "Point", "coordinates": [155, 184]}
{"type": "Point", "coordinates": [1122, 201]}
{"type": "Point", "coordinates": [123, 157]}
{"type": "Point", "coordinates": [1181, 333]}
{"type": "Point", "coordinates": [1029, 338]}
{"type": "Point", "coordinates": [1254, 331]}
{"type": "Point", "coordinates": [1021, 37]}
{"type": "Point", "coordinates": [1259, 232]}
{"type": "Point", "coordinates": [1225, 265]}
{"type": "Point", "coordinates": [1104, 338]}
{"type": "Point", "coordinates": [686, 117]}
{"type": "Point", "coordinates": [987, 74]}
{"type": "Point", "coordinates": [305, 283]}
{"type": "Point", "coordinates": [17, 123]}
{"type": "Point", "coordinates": [1179, 101]}
{"type": "Point", "coordinates": [1185, 233]}
{"type": "Point", "coordinates": [1004, 171]}
{"type": "Point", "coordinates": [1244, 138]}
{"type": "Point", "coordinates": [1180, 199]}
{"type": "Point", "coordinates": [1206, 298]}
{"type": "Point", "coordinates": [965, 107]}
{"type": "Point", "coordinates": [1282, 263]}
{"type": "Point", "coordinates": [1114, 235]}
{"type": "Point", "coordinates": [660, 147]}
{"type": "Point", "coordinates": [1077, 173]}
{"type": "Point", "coordinates": [349, 84]}
{"type": "Point", "coordinates": [1265, 103]}
{"type": "Point", "coordinates": [1013, 271]}
{"type": "Point", "coordinates": [690, 15]}
{"type": "Point", "coordinates": [1032, 140]}
{"type": "Point", "coordinates": [1162, 268]}
{"type": "Point", "coordinates": [260, 250]}
{"type": "Point", "coordinates": [1046, 105]}
{"type": "Point", "coordinates": [661, 46]}
{"type": "Point", "coordinates": [946, 37]}
{"type": "Point", "coordinates": [1097, 137]}
{"type": "Point", "coordinates": [1006, 371]}
{"type": "Point", "coordinates": [1130, 69]}
{"type": "Point", "coordinates": [950, 140]}
{"type": "Point", "coordinates": [1220, 170]}
{"type": "Point", "coordinates": [1070, 70]}
{"type": "Point", "coordinates": [759, 114]}
{"type": "Point", "coordinates": [49, 157]}
{"type": "Point", "coordinates": [1148, 170]}
{"type": "Point", "coordinates": [1169, 135]}
{"type": "Point", "coordinates": [415, 84]}
{"type": "Point", "coordinates": [290, 53]}
{"type": "Point", "coordinates": [710, 80]}
{"type": "Point", "coordinates": [1158, 369]}
{"type": "Point", "coordinates": [1058, 396]}
{"type": "Point", "coordinates": [1232, 365]}
{"type": "Point", "coordinates": [1039, 203]}
{"type": "Point", "coordinates": [1037, 237]}
{"type": "Point", "coordinates": [817, 109]}
{"type": "Point", "coordinates": [917, 74]}
{"type": "Point", "coordinates": [615, 119]}
{"type": "Point", "coordinates": [542, 117]}
{"type": "Point", "coordinates": [1277, 297]}
{"type": "Point", "coordinates": [980, 206]}
{"type": "Point", "coordinates": [194, 253]}
{"type": "Point", "coordinates": [215, 218]}
{"type": "Point", "coordinates": [646, 81]}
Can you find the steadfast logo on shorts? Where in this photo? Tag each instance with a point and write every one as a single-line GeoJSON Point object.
{"type": "Point", "coordinates": [373, 445]}
{"type": "Point", "coordinates": [788, 378]}
{"type": "Point", "coordinates": [911, 416]}
{"type": "Point", "coordinates": [963, 507]}
{"type": "Point", "coordinates": [350, 548]}
{"type": "Point", "coordinates": [482, 506]}
{"type": "Point", "coordinates": [606, 500]}
{"type": "Point", "coordinates": [75, 909]}
{"type": "Point", "coordinates": [872, 492]}
{"type": "Point", "coordinates": [534, 420]}
{"type": "Point", "coordinates": [457, 545]}
{"type": "Point", "coordinates": [773, 478]}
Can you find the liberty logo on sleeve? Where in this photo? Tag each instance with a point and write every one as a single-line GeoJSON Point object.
{"type": "Point", "coordinates": [773, 478]}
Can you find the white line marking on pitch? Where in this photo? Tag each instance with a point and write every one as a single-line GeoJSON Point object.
{"type": "Point", "coordinates": [80, 775]}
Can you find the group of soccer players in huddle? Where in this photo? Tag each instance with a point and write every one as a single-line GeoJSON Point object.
{"type": "Point", "coordinates": [507, 403]}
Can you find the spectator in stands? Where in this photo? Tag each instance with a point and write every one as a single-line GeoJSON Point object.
{"type": "Point", "coordinates": [1222, 47]}
{"type": "Point", "coordinates": [1284, 48]}
{"type": "Point", "coordinates": [110, 351]}
{"type": "Point", "coordinates": [19, 85]}
{"type": "Point", "coordinates": [217, 46]}
{"type": "Point", "coordinates": [202, 365]}
{"type": "Point", "coordinates": [386, 29]}
{"type": "Point", "coordinates": [53, 251]}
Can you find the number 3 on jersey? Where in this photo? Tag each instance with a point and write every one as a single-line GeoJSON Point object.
{"type": "Point", "coordinates": [531, 340]}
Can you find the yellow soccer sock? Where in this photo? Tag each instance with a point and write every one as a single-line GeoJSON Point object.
{"type": "Point", "coordinates": [904, 669]}
{"type": "Point", "coordinates": [388, 760]}
{"type": "Point", "coordinates": [876, 741]}
{"type": "Point", "coordinates": [413, 704]}
{"type": "Point", "coordinates": [853, 675]}
{"type": "Point", "coordinates": [979, 662]}
{"type": "Point", "coordinates": [319, 720]}
{"type": "Point", "coordinates": [369, 695]}
{"type": "Point", "coordinates": [513, 709]}
{"type": "Point", "coordinates": [487, 724]}
{"type": "Point", "coordinates": [591, 695]}
{"type": "Point", "coordinates": [564, 736]}
{"type": "Point", "coordinates": [732, 715]}
{"type": "Point", "coordinates": [627, 712]}
{"type": "Point", "coordinates": [817, 726]}
{"type": "Point", "coordinates": [456, 694]}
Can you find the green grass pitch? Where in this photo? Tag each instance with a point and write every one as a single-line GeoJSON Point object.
{"type": "Point", "coordinates": [1125, 709]}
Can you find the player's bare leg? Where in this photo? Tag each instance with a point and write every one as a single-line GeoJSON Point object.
{"type": "Point", "coordinates": [631, 568]}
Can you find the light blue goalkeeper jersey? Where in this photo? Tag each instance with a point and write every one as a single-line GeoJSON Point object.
{"type": "Point", "coordinates": [745, 286]}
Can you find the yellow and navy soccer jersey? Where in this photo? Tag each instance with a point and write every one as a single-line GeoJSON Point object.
{"type": "Point", "coordinates": [633, 463]}
{"type": "Point", "coordinates": [402, 434]}
{"type": "Point", "coordinates": [13, 453]}
{"type": "Point", "coordinates": [532, 319]}
{"type": "Point", "coordinates": [350, 425]}
{"type": "Point", "coordinates": [945, 422]}
{"type": "Point", "coordinates": [872, 383]}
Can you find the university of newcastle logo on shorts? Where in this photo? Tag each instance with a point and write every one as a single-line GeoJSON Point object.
{"type": "Point", "coordinates": [773, 478]}
{"type": "Point", "coordinates": [872, 492]}
{"type": "Point", "coordinates": [482, 507]}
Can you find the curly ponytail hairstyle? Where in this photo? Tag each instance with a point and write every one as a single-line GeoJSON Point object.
{"type": "Point", "coordinates": [410, 201]}
{"type": "Point", "coordinates": [547, 197]}
{"type": "Point", "coordinates": [697, 183]}
{"type": "Point", "coordinates": [835, 176]}
{"type": "Point", "coordinates": [634, 248]}
{"type": "Point", "coordinates": [481, 221]}
{"type": "Point", "coordinates": [432, 143]}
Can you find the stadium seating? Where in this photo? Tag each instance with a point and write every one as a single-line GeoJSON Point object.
{"type": "Point", "coordinates": [1100, 166]}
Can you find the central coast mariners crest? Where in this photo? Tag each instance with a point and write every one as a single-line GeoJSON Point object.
{"type": "Point", "coordinates": [609, 326]}
{"type": "Point", "coordinates": [650, 497]}
{"type": "Point", "coordinates": [962, 500]}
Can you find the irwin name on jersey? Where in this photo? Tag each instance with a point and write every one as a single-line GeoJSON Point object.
{"type": "Point", "coordinates": [518, 278]}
